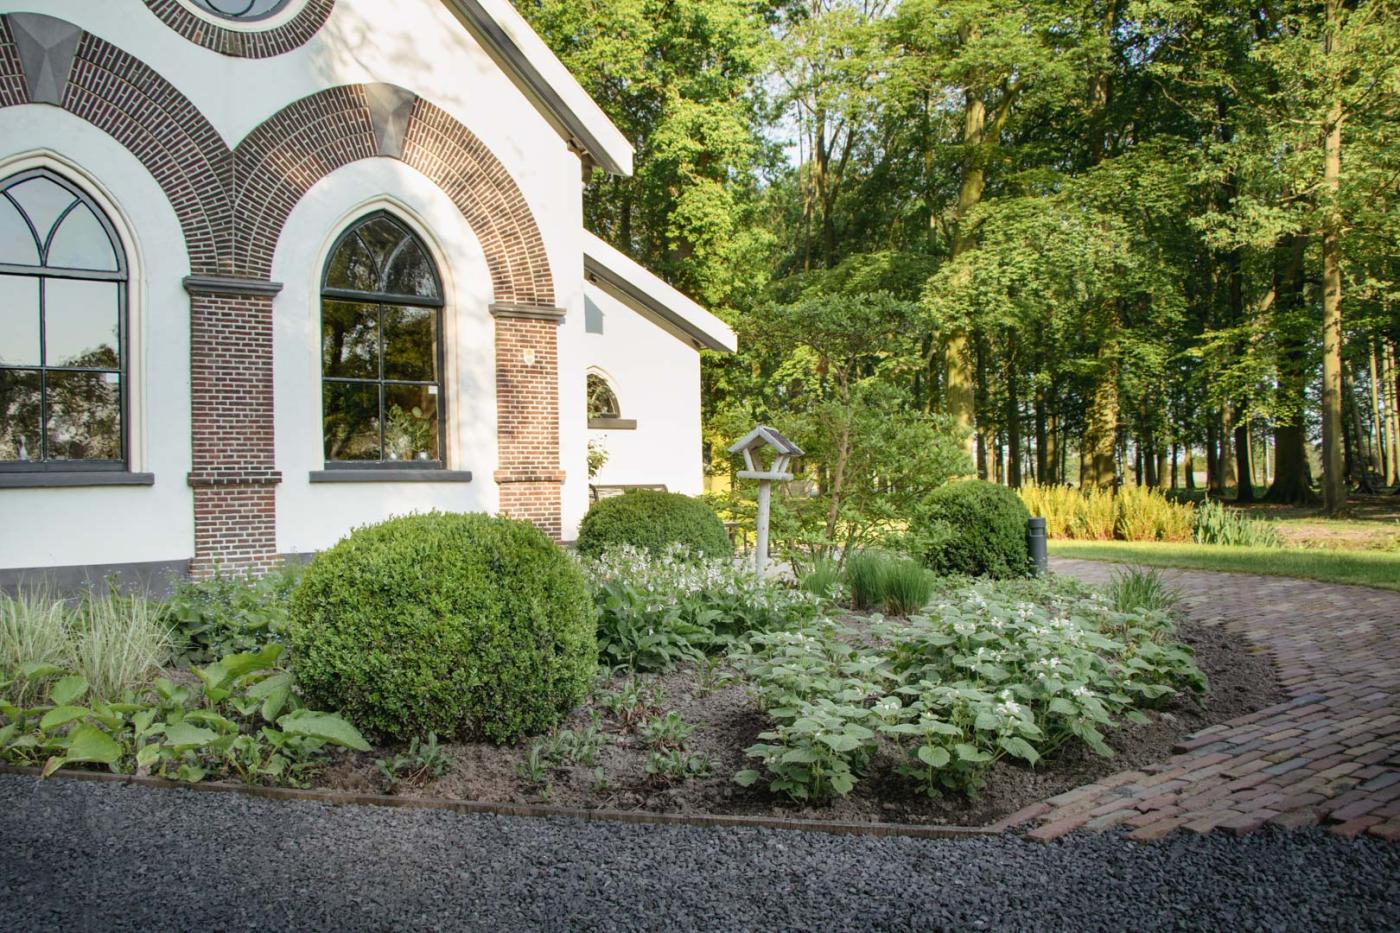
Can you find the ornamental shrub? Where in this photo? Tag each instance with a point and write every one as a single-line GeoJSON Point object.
{"type": "Point", "coordinates": [653, 521]}
{"type": "Point", "coordinates": [463, 625]}
{"type": "Point", "coordinates": [977, 528]}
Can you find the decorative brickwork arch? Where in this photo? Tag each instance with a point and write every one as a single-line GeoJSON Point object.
{"type": "Point", "coordinates": [244, 43]}
{"type": "Point", "coordinates": [232, 206]}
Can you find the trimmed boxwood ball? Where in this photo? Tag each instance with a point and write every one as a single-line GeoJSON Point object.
{"type": "Point", "coordinates": [464, 625]}
{"type": "Point", "coordinates": [653, 520]}
{"type": "Point", "coordinates": [977, 528]}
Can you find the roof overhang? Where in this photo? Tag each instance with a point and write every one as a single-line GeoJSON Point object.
{"type": "Point", "coordinates": [632, 284]}
{"type": "Point", "coordinates": [557, 94]}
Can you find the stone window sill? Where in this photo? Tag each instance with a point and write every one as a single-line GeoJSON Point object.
{"type": "Point", "coordinates": [391, 476]}
{"type": "Point", "coordinates": [612, 424]}
{"type": "Point", "coordinates": [44, 479]}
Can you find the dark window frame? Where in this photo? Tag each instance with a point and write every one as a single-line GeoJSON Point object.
{"type": "Point", "coordinates": [380, 299]}
{"type": "Point", "coordinates": [43, 271]}
{"type": "Point", "coordinates": [210, 7]}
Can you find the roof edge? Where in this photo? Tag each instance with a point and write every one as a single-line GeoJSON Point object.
{"type": "Point", "coordinates": [634, 283]}
{"type": "Point", "coordinates": [555, 90]}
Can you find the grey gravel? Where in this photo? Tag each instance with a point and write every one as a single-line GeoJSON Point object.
{"type": "Point", "coordinates": [80, 855]}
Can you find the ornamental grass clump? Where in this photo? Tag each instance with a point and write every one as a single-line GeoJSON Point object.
{"type": "Point", "coordinates": [656, 611]}
{"type": "Point", "coordinates": [463, 625]}
{"type": "Point", "coordinates": [983, 676]}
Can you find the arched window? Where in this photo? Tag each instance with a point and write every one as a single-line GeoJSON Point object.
{"type": "Point", "coordinates": [242, 10]}
{"type": "Point", "coordinates": [602, 401]}
{"type": "Point", "coordinates": [381, 349]}
{"type": "Point", "coordinates": [63, 281]}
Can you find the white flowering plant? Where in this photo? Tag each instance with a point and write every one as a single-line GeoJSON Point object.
{"type": "Point", "coordinates": [657, 611]}
{"type": "Point", "coordinates": [987, 673]}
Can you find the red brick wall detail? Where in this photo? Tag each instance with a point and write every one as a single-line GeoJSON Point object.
{"type": "Point", "coordinates": [12, 89]}
{"type": "Point", "coordinates": [240, 43]}
{"type": "Point", "coordinates": [527, 406]}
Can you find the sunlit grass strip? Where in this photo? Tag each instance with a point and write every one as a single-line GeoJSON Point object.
{"type": "Point", "coordinates": [1365, 568]}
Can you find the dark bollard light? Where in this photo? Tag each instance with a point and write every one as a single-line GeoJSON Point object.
{"type": "Point", "coordinates": [1035, 545]}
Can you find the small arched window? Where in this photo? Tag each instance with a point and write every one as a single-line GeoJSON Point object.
{"type": "Point", "coordinates": [381, 349]}
{"type": "Point", "coordinates": [63, 279]}
{"type": "Point", "coordinates": [242, 10]}
{"type": "Point", "coordinates": [602, 401]}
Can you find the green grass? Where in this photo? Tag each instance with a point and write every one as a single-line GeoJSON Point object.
{"type": "Point", "coordinates": [1366, 568]}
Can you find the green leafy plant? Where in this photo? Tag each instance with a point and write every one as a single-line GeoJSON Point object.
{"type": "Point", "coordinates": [865, 577]}
{"type": "Point", "coordinates": [228, 613]}
{"type": "Point", "coordinates": [976, 528]}
{"type": "Point", "coordinates": [1217, 524]}
{"type": "Point", "coordinates": [454, 624]}
{"type": "Point", "coordinates": [114, 641]}
{"type": "Point", "coordinates": [653, 521]}
{"type": "Point", "coordinates": [656, 611]}
{"type": "Point", "coordinates": [239, 718]}
{"type": "Point", "coordinates": [633, 703]}
{"type": "Point", "coordinates": [991, 671]}
{"type": "Point", "coordinates": [1135, 588]}
{"type": "Point", "coordinates": [668, 731]}
{"type": "Point", "coordinates": [417, 764]}
{"type": "Point", "coordinates": [824, 579]}
{"type": "Point", "coordinates": [676, 765]}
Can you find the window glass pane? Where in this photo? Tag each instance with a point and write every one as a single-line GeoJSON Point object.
{"type": "Point", "coordinates": [84, 416]}
{"type": "Point", "coordinates": [349, 339]}
{"type": "Point", "coordinates": [350, 420]}
{"type": "Point", "coordinates": [381, 236]}
{"type": "Point", "coordinates": [16, 242]}
{"type": "Point", "coordinates": [19, 415]}
{"type": "Point", "coordinates": [602, 403]}
{"type": "Point", "coordinates": [80, 323]}
{"type": "Point", "coordinates": [410, 423]}
{"type": "Point", "coordinates": [81, 243]}
{"type": "Point", "coordinates": [351, 266]}
{"type": "Point", "coordinates": [19, 321]}
{"type": "Point", "coordinates": [43, 201]}
{"type": "Point", "coordinates": [411, 273]}
{"type": "Point", "coordinates": [241, 9]}
{"type": "Point", "coordinates": [410, 343]}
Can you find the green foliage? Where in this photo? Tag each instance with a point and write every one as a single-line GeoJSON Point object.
{"type": "Point", "coordinates": [653, 521]}
{"type": "Point", "coordinates": [1132, 513]}
{"type": "Point", "coordinates": [984, 676]}
{"type": "Point", "coordinates": [676, 765]}
{"type": "Point", "coordinates": [415, 765]}
{"type": "Point", "coordinates": [114, 642]}
{"type": "Point", "coordinates": [454, 624]}
{"type": "Point", "coordinates": [240, 718]}
{"type": "Point", "coordinates": [227, 613]}
{"type": "Point", "coordinates": [823, 579]}
{"type": "Point", "coordinates": [976, 528]}
{"type": "Point", "coordinates": [633, 703]}
{"type": "Point", "coordinates": [1217, 524]}
{"type": "Point", "coordinates": [658, 611]}
{"type": "Point", "coordinates": [668, 731]}
{"type": "Point", "coordinates": [563, 749]}
{"type": "Point", "coordinates": [877, 580]}
{"type": "Point", "coordinates": [1142, 588]}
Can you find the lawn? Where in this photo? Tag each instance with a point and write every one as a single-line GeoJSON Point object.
{"type": "Point", "coordinates": [1367, 568]}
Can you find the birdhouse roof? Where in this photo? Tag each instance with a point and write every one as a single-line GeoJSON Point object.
{"type": "Point", "coordinates": [762, 435]}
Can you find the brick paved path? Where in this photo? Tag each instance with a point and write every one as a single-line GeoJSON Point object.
{"type": "Point", "coordinates": [1329, 755]}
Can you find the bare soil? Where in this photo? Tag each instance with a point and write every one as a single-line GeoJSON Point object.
{"type": "Point", "coordinates": [1242, 677]}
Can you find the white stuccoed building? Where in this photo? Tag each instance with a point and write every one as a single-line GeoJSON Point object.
{"type": "Point", "coordinates": [272, 269]}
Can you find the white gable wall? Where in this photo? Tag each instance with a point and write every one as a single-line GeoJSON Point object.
{"type": "Point", "coordinates": [655, 373]}
{"type": "Point", "coordinates": [115, 524]}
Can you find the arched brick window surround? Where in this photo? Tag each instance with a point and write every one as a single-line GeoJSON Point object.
{"type": "Point", "coordinates": [232, 204]}
{"type": "Point", "coordinates": [244, 43]}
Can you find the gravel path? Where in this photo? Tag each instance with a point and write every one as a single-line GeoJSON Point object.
{"type": "Point", "coordinates": [86, 856]}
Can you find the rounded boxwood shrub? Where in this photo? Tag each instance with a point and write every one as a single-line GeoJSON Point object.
{"type": "Point", "coordinates": [653, 520]}
{"type": "Point", "coordinates": [975, 527]}
{"type": "Point", "coordinates": [464, 625]}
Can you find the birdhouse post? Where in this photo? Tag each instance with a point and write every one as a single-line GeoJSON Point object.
{"type": "Point", "coordinates": [783, 452]}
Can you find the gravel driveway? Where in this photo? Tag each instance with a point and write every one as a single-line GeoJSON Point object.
{"type": "Point", "coordinates": [79, 855]}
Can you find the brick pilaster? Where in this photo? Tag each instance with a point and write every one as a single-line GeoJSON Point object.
{"type": "Point", "coordinates": [234, 473]}
{"type": "Point", "coordinates": [527, 414]}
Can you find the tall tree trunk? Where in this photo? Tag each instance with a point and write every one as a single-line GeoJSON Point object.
{"type": "Point", "coordinates": [1174, 483]}
{"type": "Point", "coordinates": [1212, 457]}
{"type": "Point", "coordinates": [1101, 432]}
{"type": "Point", "coordinates": [1357, 462]}
{"type": "Point", "coordinates": [1162, 468]}
{"type": "Point", "coordinates": [1013, 426]}
{"type": "Point", "coordinates": [1334, 486]}
{"type": "Point", "coordinates": [1244, 464]}
{"type": "Point", "coordinates": [1380, 442]}
{"type": "Point", "coordinates": [1189, 466]}
{"type": "Point", "coordinates": [1292, 474]}
{"type": "Point", "coordinates": [1392, 417]}
{"type": "Point", "coordinates": [1043, 458]}
{"type": "Point", "coordinates": [1227, 457]}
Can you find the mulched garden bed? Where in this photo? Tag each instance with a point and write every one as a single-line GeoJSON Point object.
{"type": "Point", "coordinates": [726, 721]}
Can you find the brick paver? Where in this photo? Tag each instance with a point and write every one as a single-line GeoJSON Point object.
{"type": "Point", "coordinates": [1329, 755]}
